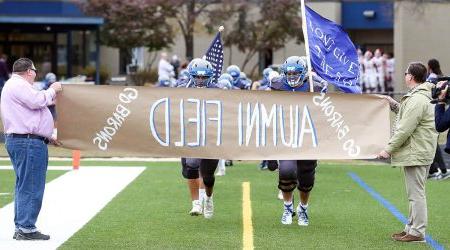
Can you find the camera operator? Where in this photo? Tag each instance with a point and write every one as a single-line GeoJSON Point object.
{"type": "Point", "coordinates": [442, 122]}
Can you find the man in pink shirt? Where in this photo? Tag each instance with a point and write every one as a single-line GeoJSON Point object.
{"type": "Point", "coordinates": [28, 126]}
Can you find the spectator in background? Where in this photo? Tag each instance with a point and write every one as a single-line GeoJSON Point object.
{"type": "Point", "coordinates": [175, 62]}
{"type": "Point", "coordinates": [390, 69]}
{"type": "Point", "coordinates": [4, 71]}
{"type": "Point", "coordinates": [163, 81]}
{"type": "Point", "coordinates": [184, 65]}
{"type": "Point", "coordinates": [165, 69]}
{"type": "Point", "coordinates": [380, 65]}
{"type": "Point", "coordinates": [49, 79]}
{"type": "Point", "coordinates": [412, 147]}
{"type": "Point", "coordinates": [434, 69]}
{"type": "Point", "coordinates": [370, 72]}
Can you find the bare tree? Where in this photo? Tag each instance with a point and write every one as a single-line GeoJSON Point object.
{"type": "Point", "coordinates": [133, 23]}
{"type": "Point", "coordinates": [276, 23]}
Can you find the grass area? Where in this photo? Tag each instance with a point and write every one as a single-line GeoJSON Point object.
{"type": "Point", "coordinates": [7, 182]}
{"type": "Point", "coordinates": [152, 212]}
{"type": "Point", "coordinates": [63, 152]}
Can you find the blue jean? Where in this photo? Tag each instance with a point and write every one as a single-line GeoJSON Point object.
{"type": "Point", "coordinates": [30, 160]}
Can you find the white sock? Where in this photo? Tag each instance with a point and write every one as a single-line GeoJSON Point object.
{"type": "Point", "coordinates": [194, 202]}
{"type": "Point", "coordinates": [288, 203]}
{"type": "Point", "coordinates": [202, 194]}
{"type": "Point", "coordinates": [305, 206]}
{"type": "Point", "coordinates": [221, 165]}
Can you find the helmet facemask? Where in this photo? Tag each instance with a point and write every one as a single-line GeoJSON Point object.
{"type": "Point", "coordinates": [294, 76]}
{"type": "Point", "coordinates": [295, 70]}
{"type": "Point", "coordinates": [201, 81]}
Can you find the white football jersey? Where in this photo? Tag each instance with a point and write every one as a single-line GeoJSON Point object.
{"type": "Point", "coordinates": [369, 67]}
{"type": "Point", "coordinates": [390, 65]}
{"type": "Point", "coordinates": [379, 62]}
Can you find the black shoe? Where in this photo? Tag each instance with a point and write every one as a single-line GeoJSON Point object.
{"type": "Point", "coordinates": [445, 175]}
{"type": "Point", "coordinates": [264, 165]}
{"type": "Point", "coordinates": [31, 236]}
{"type": "Point", "coordinates": [15, 235]}
{"type": "Point", "coordinates": [272, 165]}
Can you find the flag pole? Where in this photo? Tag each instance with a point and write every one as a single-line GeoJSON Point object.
{"type": "Point", "coordinates": [305, 36]}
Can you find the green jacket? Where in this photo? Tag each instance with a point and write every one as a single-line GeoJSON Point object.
{"type": "Point", "coordinates": [415, 137]}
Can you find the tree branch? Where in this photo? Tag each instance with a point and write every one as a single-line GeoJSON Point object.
{"type": "Point", "coordinates": [248, 57]}
{"type": "Point", "coordinates": [183, 29]}
{"type": "Point", "coordinates": [200, 9]}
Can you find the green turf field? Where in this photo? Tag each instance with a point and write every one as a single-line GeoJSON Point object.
{"type": "Point", "coordinates": [7, 180]}
{"type": "Point", "coordinates": [152, 212]}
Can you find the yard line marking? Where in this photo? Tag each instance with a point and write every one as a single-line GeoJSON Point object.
{"type": "Point", "coordinates": [247, 217]}
{"type": "Point", "coordinates": [394, 211]}
{"type": "Point", "coordinates": [70, 202]}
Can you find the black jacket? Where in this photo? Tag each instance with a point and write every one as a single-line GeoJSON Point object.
{"type": "Point", "coordinates": [442, 122]}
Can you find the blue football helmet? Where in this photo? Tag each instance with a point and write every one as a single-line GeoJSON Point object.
{"type": "Point", "coordinates": [226, 76]}
{"type": "Point", "coordinates": [243, 76]}
{"type": "Point", "coordinates": [224, 84]}
{"type": "Point", "coordinates": [184, 75]}
{"type": "Point", "coordinates": [266, 72]}
{"type": "Point", "coordinates": [235, 72]}
{"type": "Point", "coordinates": [295, 70]}
{"type": "Point", "coordinates": [201, 72]}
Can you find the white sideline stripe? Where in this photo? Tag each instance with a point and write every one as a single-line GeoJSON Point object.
{"type": "Point", "coordinates": [70, 202]}
{"type": "Point", "coordinates": [109, 159]}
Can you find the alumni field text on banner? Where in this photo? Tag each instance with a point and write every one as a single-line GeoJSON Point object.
{"type": "Point", "coordinates": [222, 124]}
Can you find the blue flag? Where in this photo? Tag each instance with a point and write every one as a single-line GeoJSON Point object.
{"type": "Point", "coordinates": [214, 55]}
{"type": "Point", "coordinates": [333, 54]}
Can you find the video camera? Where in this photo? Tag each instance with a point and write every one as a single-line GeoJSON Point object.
{"type": "Point", "coordinates": [435, 91]}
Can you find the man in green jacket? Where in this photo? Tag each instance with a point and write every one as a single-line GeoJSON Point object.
{"type": "Point", "coordinates": [413, 146]}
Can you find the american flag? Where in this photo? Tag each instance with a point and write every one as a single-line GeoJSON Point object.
{"type": "Point", "coordinates": [214, 55]}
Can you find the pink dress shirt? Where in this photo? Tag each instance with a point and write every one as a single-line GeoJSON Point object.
{"type": "Point", "coordinates": [24, 109]}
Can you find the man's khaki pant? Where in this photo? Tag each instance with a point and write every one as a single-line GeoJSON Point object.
{"type": "Point", "coordinates": [415, 177]}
